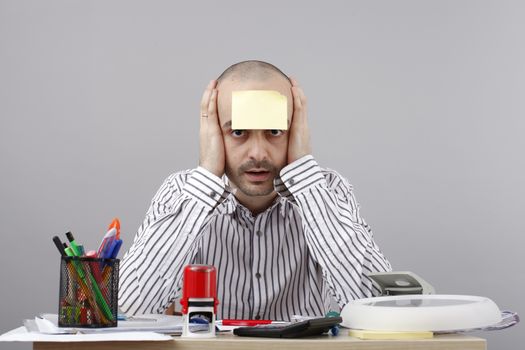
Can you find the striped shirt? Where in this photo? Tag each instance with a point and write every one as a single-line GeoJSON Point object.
{"type": "Point", "coordinates": [311, 247]}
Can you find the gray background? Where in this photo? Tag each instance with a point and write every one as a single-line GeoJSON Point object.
{"type": "Point", "coordinates": [419, 103]}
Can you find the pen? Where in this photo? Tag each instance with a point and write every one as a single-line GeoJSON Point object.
{"type": "Point", "coordinates": [59, 245]}
{"type": "Point", "coordinates": [124, 317]}
{"type": "Point", "coordinates": [69, 251]}
{"type": "Point", "coordinates": [116, 225]}
{"type": "Point", "coordinates": [245, 322]}
{"type": "Point", "coordinates": [91, 282]}
{"type": "Point", "coordinates": [115, 248]}
{"type": "Point", "coordinates": [74, 244]}
{"type": "Point", "coordinates": [95, 269]}
{"type": "Point", "coordinates": [108, 238]}
{"type": "Point", "coordinates": [76, 270]}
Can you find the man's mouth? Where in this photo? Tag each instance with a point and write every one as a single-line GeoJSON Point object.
{"type": "Point", "coordinates": [257, 175]}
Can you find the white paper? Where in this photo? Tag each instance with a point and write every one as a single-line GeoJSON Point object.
{"type": "Point", "coordinates": [21, 334]}
{"type": "Point", "coordinates": [159, 323]}
{"type": "Point", "coordinates": [44, 328]}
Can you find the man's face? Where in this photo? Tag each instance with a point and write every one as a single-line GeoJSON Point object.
{"type": "Point", "coordinates": [253, 157]}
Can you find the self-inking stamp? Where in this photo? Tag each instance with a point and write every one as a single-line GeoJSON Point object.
{"type": "Point", "coordinates": [199, 299]}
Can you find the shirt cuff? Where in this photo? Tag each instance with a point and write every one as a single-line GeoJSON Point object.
{"type": "Point", "coordinates": [298, 176]}
{"type": "Point", "coordinates": [206, 188]}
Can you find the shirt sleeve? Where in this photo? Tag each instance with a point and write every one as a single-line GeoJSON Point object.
{"type": "Point", "coordinates": [151, 270]}
{"type": "Point", "coordinates": [340, 240]}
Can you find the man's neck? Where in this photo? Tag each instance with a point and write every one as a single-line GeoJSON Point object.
{"type": "Point", "coordinates": [256, 204]}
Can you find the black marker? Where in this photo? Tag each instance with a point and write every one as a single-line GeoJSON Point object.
{"type": "Point", "coordinates": [59, 245]}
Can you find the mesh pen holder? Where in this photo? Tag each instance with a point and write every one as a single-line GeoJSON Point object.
{"type": "Point", "coordinates": [88, 292]}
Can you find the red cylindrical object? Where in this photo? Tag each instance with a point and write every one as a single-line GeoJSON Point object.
{"type": "Point", "coordinates": [199, 281]}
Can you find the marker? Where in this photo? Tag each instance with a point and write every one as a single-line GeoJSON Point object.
{"type": "Point", "coordinates": [91, 284]}
{"type": "Point", "coordinates": [108, 248]}
{"type": "Point", "coordinates": [91, 254]}
{"type": "Point", "coordinates": [116, 225]}
{"type": "Point", "coordinates": [59, 245]}
{"type": "Point", "coordinates": [106, 243]}
{"type": "Point", "coordinates": [74, 245]}
{"type": "Point", "coordinates": [69, 251]}
{"type": "Point", "coordinates": [115, 248]}
{"type": "Point", "coordinates": [95, 269]}
{"type": "Point", "coordinates": [249, 323]}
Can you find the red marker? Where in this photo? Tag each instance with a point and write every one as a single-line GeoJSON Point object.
{"type": "Point", "coordinates": [248, 323]}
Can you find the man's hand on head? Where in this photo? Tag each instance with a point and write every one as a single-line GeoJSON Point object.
{"type": "Point", "coordinates": [212, 156]}
{"type": "Point", "coordinates": [299, 134]}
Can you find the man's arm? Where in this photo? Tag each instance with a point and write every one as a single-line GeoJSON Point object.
{"type": "Point", "coordinates": [336, 234]}
{"type": "Point", "coordinates": [151, 271]}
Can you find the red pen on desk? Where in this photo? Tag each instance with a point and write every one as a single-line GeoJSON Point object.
{"type": "Point", "coordinates": [249, 323]}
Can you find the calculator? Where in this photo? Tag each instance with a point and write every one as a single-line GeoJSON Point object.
{"type": "Point", "coordinates": [315, 326]}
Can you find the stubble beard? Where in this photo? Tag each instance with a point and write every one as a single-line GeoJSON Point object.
{"type": "Point", "coordinates": [252, 189]}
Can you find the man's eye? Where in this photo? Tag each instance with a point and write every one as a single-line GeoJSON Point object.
{"type": "Point", "coordinates": [276, 132]}
{"type": "Point", "coordinates": [237, 133]}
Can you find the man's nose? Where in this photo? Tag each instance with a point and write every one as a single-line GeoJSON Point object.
{"type": "Point", "coordinates": [258, 145]}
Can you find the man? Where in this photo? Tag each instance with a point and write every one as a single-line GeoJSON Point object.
{"type": "Point", "coordinates": [285, 235]}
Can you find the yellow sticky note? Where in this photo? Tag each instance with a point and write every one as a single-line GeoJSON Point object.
{"type": "Point", "coordinates": [389, 335]}
{"type": "Point", "coordinates": [259, 109]}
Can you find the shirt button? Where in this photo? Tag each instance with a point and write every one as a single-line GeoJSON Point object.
{"type": "Point", "coordinates": [258, 275]}
{"type": "Point", "coordinates": [213, 194]}
{"type": "Point", "coordinates": [259, 233]}
{"type": "Point", "coordinates": [291, 182]}
{"type": "Point", "coordinates": [258, 317]}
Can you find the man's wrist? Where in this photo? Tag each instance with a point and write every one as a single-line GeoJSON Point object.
{"type": "Point", "coordinates": [216, 172]}
{"type": "Point", "coordinates": [300, 175]}
{"type": "Point", "coordinates": [206, 187]}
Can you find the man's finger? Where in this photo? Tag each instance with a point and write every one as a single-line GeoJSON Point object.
{"type": "Point", "coordinates": [297, 108]}
{"type": "Point", "coordinates": [206, 96]}
{"type": "Point", "coordinates": [303, 97]}
{"type": "Point", "coordinates": [212, 108]}
{"type": "Point", "coordinates": [297, 102]}
{"type": "Point", "coordinates": [299, 90]}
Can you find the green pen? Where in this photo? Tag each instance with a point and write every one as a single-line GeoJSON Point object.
{"type": "Point", "coordinates": [98, 294]}
{"type": "Point", "coordinates": [74, 245]}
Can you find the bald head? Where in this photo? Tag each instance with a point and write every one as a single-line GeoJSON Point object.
{"type": "Point", "coordinates": [251, 70]}
{"type": "Point", "coordinates": [250, 75]}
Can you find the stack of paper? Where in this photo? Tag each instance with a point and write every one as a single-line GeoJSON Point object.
{"type": "Point", "coordinates": [21, 334]}
{"type": "Point", "coordinates": [166, 324]}
{"type": "Point", "coordinates": [44, 328]}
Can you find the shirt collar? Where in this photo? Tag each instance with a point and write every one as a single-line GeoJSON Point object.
{"type": "Point", "coordinates": [231, 204]}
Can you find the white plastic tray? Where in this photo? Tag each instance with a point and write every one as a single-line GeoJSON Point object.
{"type": "Point", "coordinates": [431, 312]}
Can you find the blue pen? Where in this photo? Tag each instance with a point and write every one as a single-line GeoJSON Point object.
{"type": "Point", "coordinates": [116, 247]}
{"type": "Point", "coordinates": [108, 252]}
{"type": "Point", "coordinates": [109, 237]}
{"type": "Point", "coordinates": [111, 251]}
